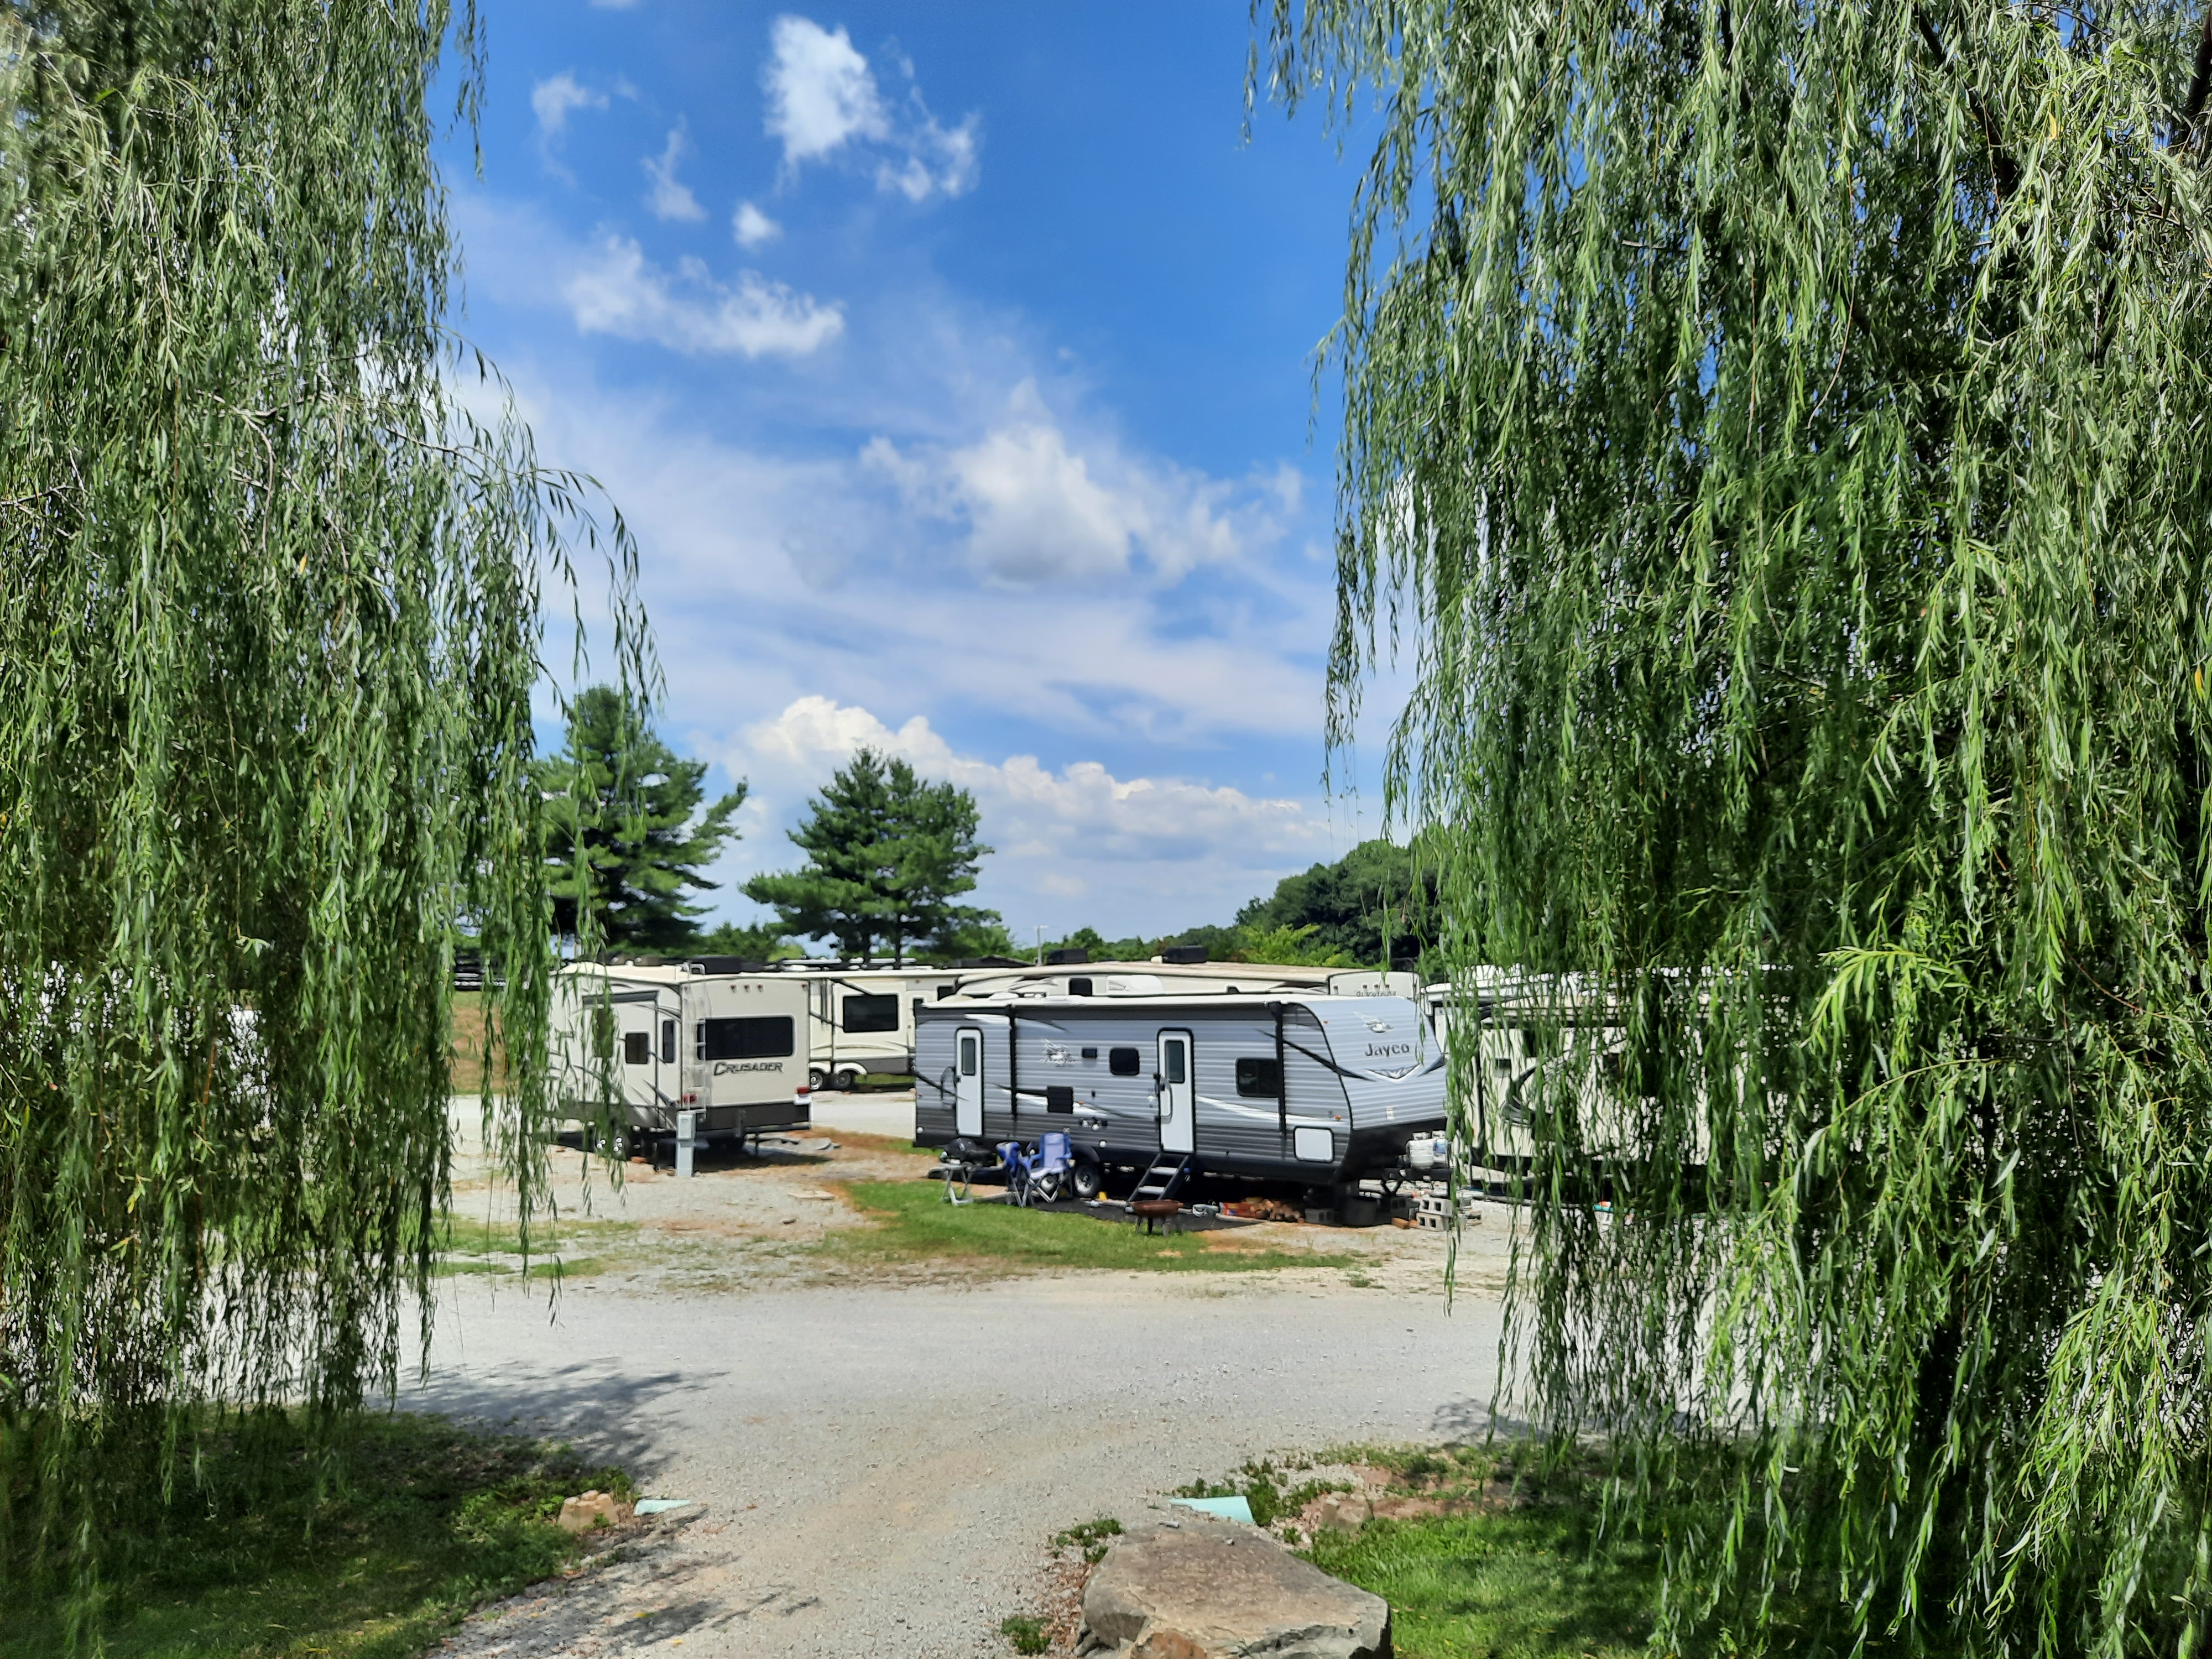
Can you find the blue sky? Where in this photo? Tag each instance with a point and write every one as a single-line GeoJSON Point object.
{"type": "Point", "coordinates": [952, 366]}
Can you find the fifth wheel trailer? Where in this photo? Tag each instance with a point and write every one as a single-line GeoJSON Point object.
{"type": "Point", "coordinates": [1310, 1088]}
{"type": "Point", "coordinates": [634, 1045]}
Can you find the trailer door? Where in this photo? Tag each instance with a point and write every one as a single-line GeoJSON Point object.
{"type": "Point", "coordinates": [1178, 1094]}
{"type": "Point", "coordinates": [968, 1084]}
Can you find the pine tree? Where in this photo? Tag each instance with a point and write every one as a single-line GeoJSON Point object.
{"type": "Point", "coordinates": [1778, 433]}
{"type": "Point", "coordinates": [625, 837]}
{"type": "Point", "coordinates": [886, 853]}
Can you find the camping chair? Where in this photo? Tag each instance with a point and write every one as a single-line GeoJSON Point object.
{"type": "Point", "coordinates": [1039, 1176]}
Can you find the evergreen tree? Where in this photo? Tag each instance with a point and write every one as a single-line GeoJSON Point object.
{"type": "Point", "coordinates": [886, 855]}
{"type": "Point", "coordinates": [758, 942]}
{"type": "Point", "coordinates": [1778, 432]}
{"type": "Point", "coordinates": [625, 837]}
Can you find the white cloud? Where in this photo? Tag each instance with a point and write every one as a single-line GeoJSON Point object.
{"type": "Point", "coordinates": [1059, 835]}
{"type": "Point", "coordinates": [619, 291]}
{"type": "Point", "coordinates": [820, 93]}
{"type": "Point", "coordinates": [823, 96]}
{"type": "Point", "coordinates": [1037, 509]}
{"type": "Point", "coordinates": [672, 197]}
{"type": "Point", "coordinates": [556, 100]}
{"type": "Point", "coordinates": [752, 228]}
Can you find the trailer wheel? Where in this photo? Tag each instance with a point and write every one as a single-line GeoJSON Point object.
{"type": "Point", "coordinates": [817, 1080]}
{"type": "Point", "coordinates": [1089, 1180]}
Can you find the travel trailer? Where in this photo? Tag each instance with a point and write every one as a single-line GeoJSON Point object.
{"type": "Point", "coordinates": [1302, 1086]}
{"type": "Point", "coordinates": [1522, 1031]}
{"type": "Point", "coordinates": [633, 1045]}
{"type": "Point", "coordinates": [861, 1018]}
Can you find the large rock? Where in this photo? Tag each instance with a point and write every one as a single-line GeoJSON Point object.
{"type": "Point", "coordinates": [1193, 1587]}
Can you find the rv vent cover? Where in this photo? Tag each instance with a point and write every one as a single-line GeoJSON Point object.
{"type": "Point", "coordinates": [1075, 953]}
{"type": "Point", "coordinates": [1184, 954]}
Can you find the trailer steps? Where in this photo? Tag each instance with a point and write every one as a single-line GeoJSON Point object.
{"type": "Point", "coordinates": [1162, 1176]}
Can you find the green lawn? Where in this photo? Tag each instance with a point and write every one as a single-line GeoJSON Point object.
{"type": "Point", "coordinates": [416, 1522]}
{"type": "Point", "coordinates": [915, 1223]}
{"type": "Point", "coordinates": [1522, 1584]}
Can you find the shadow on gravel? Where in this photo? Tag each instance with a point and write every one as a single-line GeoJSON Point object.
{"type": "Point", "coordinates": [603, 1413]}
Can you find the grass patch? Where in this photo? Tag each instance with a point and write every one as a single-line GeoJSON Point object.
{"type": "Point", "coordinates": [1028, 1634]}
{"type": "Point", "coordinates": [467, 1047]}
{"type": "Point", "coordinates": [569, 1249]}
{"type": "Point", "coordinates": [859, 1141]}
{"type": "Point", "coordinates": [916, 1225]}
{"type": "Point", "coordinates": [373, 1550]}
{"type": "Point", "coordinates": [1523, 1584]}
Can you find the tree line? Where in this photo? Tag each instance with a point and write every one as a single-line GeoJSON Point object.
{"type": "Point", "coordinates": [887, 855]}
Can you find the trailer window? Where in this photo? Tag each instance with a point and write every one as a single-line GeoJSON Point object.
{"type": "Point", "coordinates": [667, 1042]}
{"type": "Point", "coordinates": [967, 1056]}
{"type": "Point", "coordinates": [765, 1036]}
{"type": "Point", "coordinates": [603, 1033]}
{"type": "Point", "coordinates": [1173, 1054]}
{"type": "Point", "coordinates": [1258, 1079]}
{"type": "Point", "coordinates": [871, 1014]}
{"type": "Point", "coordinates": [1121, 1062]}
{"type": "Point", "coordinates": [637, 1048]}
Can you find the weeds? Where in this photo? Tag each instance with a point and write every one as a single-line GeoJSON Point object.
{"type": "Point", "coordinates": [1090, 1538]}
{"type": "Point", "coordinates": [1028, 1634]}
{"type": "Point", "coordinates": [1261, 1487]}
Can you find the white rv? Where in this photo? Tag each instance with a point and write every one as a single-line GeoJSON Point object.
{"type": "Point", "coordinates": [861, 1019]}
{"type": "Point", "coordinates": [1525, 1043]}
{"type": "Point", "coordinates": [634, 1044]}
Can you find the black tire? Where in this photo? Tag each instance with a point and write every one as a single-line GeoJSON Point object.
{"type": "Point", "coordinates": [1088, 1181]}
{"type": "Point", "coordinates": [817, 1080]}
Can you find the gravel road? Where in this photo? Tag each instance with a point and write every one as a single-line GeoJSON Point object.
{"type": "Point", "coordinates": [881, 1465]}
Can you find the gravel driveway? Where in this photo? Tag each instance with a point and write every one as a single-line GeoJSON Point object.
{"type": "Point", "coordinates": [881, 1465]}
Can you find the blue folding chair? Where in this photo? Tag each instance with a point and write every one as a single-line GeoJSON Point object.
{"type": "Point", "coordinates": [1041, 1174]}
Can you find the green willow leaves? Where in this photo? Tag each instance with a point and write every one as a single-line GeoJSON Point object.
{"type": "Point", "coordinates": [269, 630]}
{"type": "Point", "coordinates": [1779, 435]}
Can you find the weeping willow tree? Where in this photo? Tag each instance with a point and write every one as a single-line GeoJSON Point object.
{"type": "Point", "coordinates": [269, 630]}
{"type": "Point", "coordinates": [1779, 435]}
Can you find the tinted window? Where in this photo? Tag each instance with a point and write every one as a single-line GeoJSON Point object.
{"type": "Point", "coordinates": [1172, 1054]}
{"type": "Point", "coordinates": [871, 1014]}
{"type": "Point", "coordinates": [764, 1037]}
{"type": "Point", "coordinates": [637, 1048]}
{"type": "Point", "coordinates": [1258, 1079]}
{"type": "Point", "coordinates": [668, 1042]}
{"type": "Point", "coordinates": [967, 1056]}
{"type": "Point", "coordinates": [1123, 1062]}
{"type": "Point", "coordinates": [603, 1033]}
{"type": "Point", "coordinates": [1078, 987]}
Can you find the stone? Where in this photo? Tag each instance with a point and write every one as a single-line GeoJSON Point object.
{"type": "Point", "coordinates": [1201, 1587]}
{"type": "Point", "coordinates": [592, 1509]}
{"type": "Point", "coordinates": [1338, 1511]}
